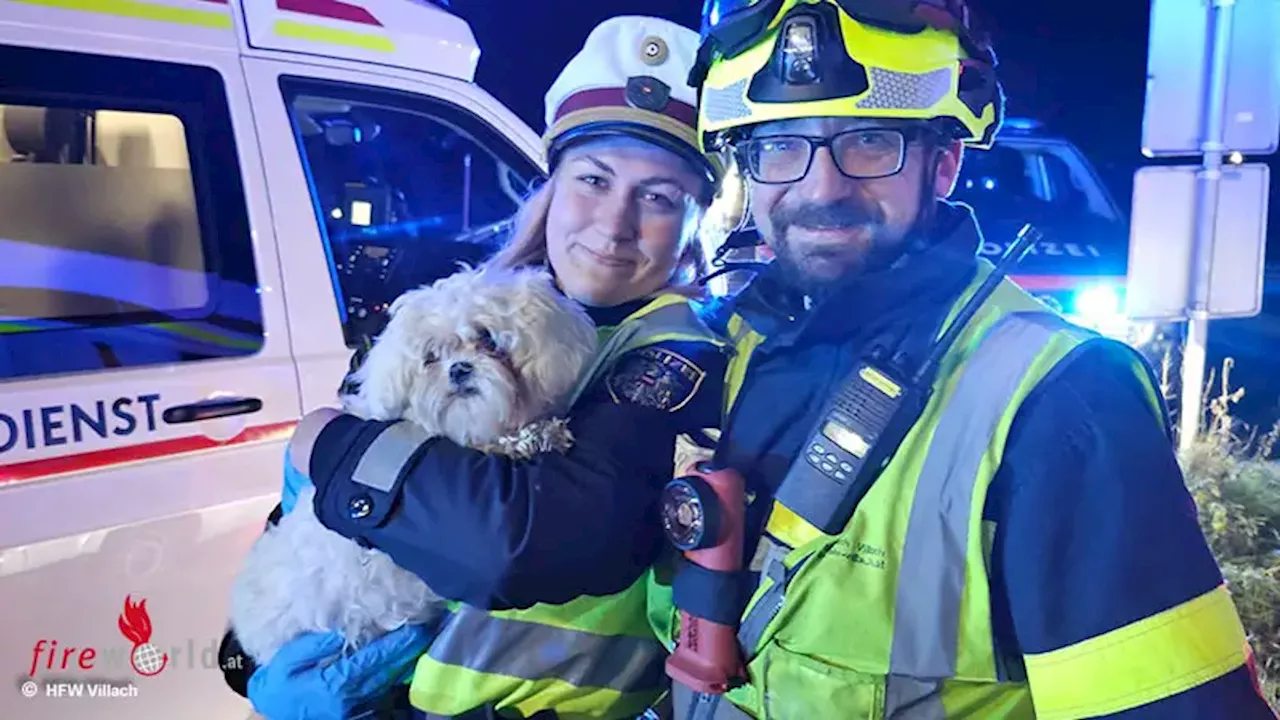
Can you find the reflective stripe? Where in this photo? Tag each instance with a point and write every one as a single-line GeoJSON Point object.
{"type": "Point", "coordinates": [478, 641]}
{"type": "Point", "coordinates": [333, 36]}
{"type": "Point", "coordinates": [1154, 658]}
{"type": "Point", "coordinates": [745, 341]}
{"type": "Point", "coordinates": [790, 528]}
{"type": "Point", "coordinates": [143, 11]}
{"type": "Point", "coordinates": [752, 627]}
{"type": "Point", "coordinates": [911, 699]}
{"type": "Point", "coordinates": [387, 455]}
{"type": "Point", "coordinates": [935, 549]}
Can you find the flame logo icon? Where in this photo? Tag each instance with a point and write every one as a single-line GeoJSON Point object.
{"type": "Point", "coordinates": [135, 625]}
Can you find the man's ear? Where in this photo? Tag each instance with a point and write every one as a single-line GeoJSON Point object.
{"type": "Point", "coordinates": [948, 168]}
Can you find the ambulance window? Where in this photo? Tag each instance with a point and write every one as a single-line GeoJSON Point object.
{"type": "Point", "coordinates": [123, 232]}
{"type": "Point", "coordinates": [405, 188]}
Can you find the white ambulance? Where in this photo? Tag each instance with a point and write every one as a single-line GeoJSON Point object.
{"type": "Point", "coordinates": [204, 206]}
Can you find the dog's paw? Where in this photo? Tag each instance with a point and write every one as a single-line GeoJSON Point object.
{"type": "Point", "coordinates": [556, 435]}
{"type": "Point", "coordinates": [539, 436]}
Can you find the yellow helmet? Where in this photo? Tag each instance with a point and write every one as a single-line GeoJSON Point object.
{"type": "Point", "coordinates": [763, 60]}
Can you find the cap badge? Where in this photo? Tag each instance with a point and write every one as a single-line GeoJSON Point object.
{"type": "Point", "coordinates": [653, 50]}
{"type": "Point", "coordinates": [647, 93]}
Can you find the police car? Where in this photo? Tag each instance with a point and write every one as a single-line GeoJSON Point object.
{"type": "Point", "coordinates": [1079, 269]}
{"type": "Point", "coordinates": [205, 205]}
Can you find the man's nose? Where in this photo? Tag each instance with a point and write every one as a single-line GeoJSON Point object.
{"type": "Point", "coordinates": [460, 371]}
{"type": "Point", "coordinates": [824, 182]}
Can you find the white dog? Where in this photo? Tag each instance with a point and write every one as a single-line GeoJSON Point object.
{"type": "Point", "coordinates": [484, 358]}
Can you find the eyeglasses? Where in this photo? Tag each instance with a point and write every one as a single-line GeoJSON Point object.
{"type": "Point", "coordinates": [861, 154]}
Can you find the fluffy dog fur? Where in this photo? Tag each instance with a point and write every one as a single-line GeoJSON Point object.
{"type": "Point", "coordinates": [484, 358]}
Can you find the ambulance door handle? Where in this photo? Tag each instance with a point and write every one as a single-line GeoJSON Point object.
{"type": "Point", "coordinates": [210, 409]}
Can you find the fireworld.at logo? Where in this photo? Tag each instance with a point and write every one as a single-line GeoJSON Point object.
{"type": "Point", "coordinates": [135, 624]}
{"type": "Point", "coordinates": [145, 658]}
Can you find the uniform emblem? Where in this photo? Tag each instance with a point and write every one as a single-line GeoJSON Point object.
{"type": "Point", "coordinates": [653, 51]}
{"type": "Point", "coordinates": [647, 93]}
{"type": "Point", "coordinates": [655, 377]}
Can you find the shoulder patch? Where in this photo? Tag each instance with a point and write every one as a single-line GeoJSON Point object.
{"type": "Point", "coordinates": [655, 377]}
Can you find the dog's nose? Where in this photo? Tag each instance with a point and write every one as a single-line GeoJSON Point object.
{"type": "Point", "coordinates": [459, 372]}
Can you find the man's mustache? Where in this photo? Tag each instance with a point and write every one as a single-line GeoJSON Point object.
{"type": "Point", "coordinates": [835, 216]}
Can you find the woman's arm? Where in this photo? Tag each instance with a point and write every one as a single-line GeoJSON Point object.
{"type": "Point", "coordinates": [497, 533]}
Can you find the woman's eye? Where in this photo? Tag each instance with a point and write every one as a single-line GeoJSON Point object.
{"type": "Point", "coordinates": [429, 357]}
{"type": "Point", "coordinates": [659, 200]}
{"type": "Point", "coordinates": [594, 181]}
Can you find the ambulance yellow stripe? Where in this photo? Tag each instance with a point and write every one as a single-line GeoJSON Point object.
{"type": "Point", "coordinates": [142, 10]}
{"type": "Point", "coordinates": [322, 34]}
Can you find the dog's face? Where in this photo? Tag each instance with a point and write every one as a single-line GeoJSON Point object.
{"type": "Point", "coordinates": [476, 355]}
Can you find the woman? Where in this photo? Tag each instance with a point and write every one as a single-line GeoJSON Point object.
{"type": "Point", "coordinates": [545, 558]}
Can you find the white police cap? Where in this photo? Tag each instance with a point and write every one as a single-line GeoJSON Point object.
{"type": "Point", "coordinates": [630, 78]}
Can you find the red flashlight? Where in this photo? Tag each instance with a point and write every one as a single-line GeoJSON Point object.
{"type": "Point", "coordinates": [703, 514]}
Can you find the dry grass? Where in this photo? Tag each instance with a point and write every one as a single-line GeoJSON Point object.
{"type": "Point", "coordinates": [1234, 476]}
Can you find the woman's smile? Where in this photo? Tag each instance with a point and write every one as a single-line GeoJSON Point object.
{"type": "Point", "coordinates": [608, 260]}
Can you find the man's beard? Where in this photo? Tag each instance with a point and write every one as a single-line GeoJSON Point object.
{"type": "Point", "coordinates": [814, 268]}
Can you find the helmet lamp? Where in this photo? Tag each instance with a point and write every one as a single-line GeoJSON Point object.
{"type": "Point", "coordinates": [800, 51]}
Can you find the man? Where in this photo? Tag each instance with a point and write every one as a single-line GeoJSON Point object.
{"type": "Point", "coordinates": [1030, 549]}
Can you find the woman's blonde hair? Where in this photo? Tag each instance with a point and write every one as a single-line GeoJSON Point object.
{"type": "Point", "coordinates": [527, 241]}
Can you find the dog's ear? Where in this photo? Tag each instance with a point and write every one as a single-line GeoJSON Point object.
{"type": "Point", "coordinates": [567, 341]}
{"type": "Point", "coordinates": [385, 378]}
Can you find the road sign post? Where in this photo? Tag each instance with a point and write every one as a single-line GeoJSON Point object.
{"type": "Point", "coordinates": [1211, 89]}
{"type": "Point", "coordinates": [1163, 228]}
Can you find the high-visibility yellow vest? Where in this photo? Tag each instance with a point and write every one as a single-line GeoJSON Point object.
{"type": "Point", "coordinates": [593, 657]}
{"type": "Point", "coordinates": [891, 618]}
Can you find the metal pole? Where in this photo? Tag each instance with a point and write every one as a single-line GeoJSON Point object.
{"type": "Point", "coordinates": [1193, 356]}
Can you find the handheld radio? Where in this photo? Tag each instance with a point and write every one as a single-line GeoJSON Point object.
{"type": "Point", "coordinates": [870, 415]}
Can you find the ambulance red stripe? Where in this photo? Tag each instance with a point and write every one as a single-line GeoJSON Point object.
{"type": "Point", "coordinates": [35, 469]}
{"type": "Point", "coordinates": [330, 9]}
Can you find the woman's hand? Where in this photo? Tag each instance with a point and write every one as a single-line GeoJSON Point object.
{"type": "Point", "coordinates": [305, 434]}
{"type": "Point", "coordinates": [310, 678]}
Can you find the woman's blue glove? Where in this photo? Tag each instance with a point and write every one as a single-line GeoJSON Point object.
{"type": "Point", "coordinates": [310, 679]}
{"type": "Point", "coordinates": [294, 481]}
